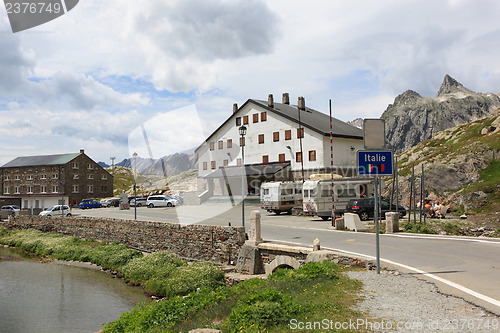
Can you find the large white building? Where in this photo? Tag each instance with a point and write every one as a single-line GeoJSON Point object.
{"type": "Point", "coordinates": [282, 142]}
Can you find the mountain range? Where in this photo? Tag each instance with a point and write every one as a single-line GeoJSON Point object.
{"type": "Point", "coordinates": [413, 118]}
{"type": "Point", "coordinates": [168, 165]}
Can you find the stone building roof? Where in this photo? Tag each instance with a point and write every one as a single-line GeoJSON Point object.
{"type": "Point", "coordinates": [24, 161]}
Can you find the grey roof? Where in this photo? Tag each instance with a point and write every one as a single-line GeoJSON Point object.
{"type": "Point", "coordinates": [310, 118]}
{"type": "Point", "coordinates": [59, 159]}
{"type": "Point", "coordinates": [250, 170]}
{"type": "Point", "coordinates": [315, 120]}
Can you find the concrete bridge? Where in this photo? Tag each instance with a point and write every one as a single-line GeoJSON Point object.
{"type": "Point", "coordinates": [259, 257]}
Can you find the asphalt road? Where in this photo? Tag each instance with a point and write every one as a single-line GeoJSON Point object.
{"type": "Point", "coordinates": [463, 266]}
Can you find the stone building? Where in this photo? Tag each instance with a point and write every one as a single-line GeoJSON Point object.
{"type": "Point", "coordinates": [282, 142]}
{"type": "Point", "coordinates": [42, 181]}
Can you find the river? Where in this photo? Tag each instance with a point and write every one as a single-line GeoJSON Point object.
{"type": "Point", "coordinates": [36, 297]}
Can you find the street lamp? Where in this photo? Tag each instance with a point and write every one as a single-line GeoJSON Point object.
{"type": "Point", "coordinates": [243, 131]}
{"type": "Point", "coordinates": [135, 185]}
{"type": "Point", "coordinates": [62, 191]}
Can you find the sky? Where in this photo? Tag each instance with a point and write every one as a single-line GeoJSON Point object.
{"type": "Point", "coordinates": [107, 71]}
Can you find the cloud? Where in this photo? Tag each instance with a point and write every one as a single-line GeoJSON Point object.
{"type": "Point", "coordinates": [186, 42]}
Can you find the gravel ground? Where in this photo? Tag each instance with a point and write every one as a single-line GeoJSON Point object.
{"type": "Point", "coordinates": [408, 304]}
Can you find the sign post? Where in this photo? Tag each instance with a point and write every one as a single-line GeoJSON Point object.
{"type": "Point", "coordinates": [376, 163]}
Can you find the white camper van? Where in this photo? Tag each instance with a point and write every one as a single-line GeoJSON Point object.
{"type": "Point", "coordinates": [317, 200]}
{"type": "Point", "coordinates": [280, 197]}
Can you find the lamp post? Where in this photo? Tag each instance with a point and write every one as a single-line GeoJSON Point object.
{"type": "Point", "coordinates": [135, 185]}
{"type": "Point", "coordinates": [62, 191]}
{"type": "Point", "coordinates": [243, 131]}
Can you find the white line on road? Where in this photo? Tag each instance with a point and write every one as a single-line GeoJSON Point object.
{"type": "Point", "coordinates": [432, 276]}
{"type": "Point", "coordinates": [453, 238]}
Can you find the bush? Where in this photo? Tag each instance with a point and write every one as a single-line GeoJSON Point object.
{"type": "Point", "coordinates": [313, 270]}
{"type": "Point", "coordinates": [163, 273]}
{"type": "Point", "coordinates": [451, 229]}
{"type": "Point", "coordinates": [262, 309]}
{"type": "Point", "coordinates": [418, 228]}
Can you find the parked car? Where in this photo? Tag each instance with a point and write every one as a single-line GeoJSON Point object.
{"type": "Point", "coordinates": [115, 202]}
{"type": "Point", "coordinates": [89, 204]}
{"type": "Point", "coordinates": [161, 201]}
{"type": "Point", "coordinates": [11, 209]}
{"type": "Point", "coordinates": [140, 202]}
{"type": "Point", "coordinates": [56, 210]}
{"type": "Point", "coordinates": [365, 207]}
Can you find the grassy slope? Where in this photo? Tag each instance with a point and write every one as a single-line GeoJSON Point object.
{"type": "Point", "coordinates": [458, 142]}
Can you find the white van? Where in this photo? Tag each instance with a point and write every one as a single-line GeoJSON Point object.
{"type": "Point", "coordinates": [317, 200]}
{"type": "Point", "coordinates": [160, 201]}
{"type": "Point", "coordinates": [280, 197]}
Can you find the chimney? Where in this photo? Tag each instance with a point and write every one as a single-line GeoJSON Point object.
{"type": "Point", "coordinates": [286, 99]}
{"type": "Point", "coordinates": [82, 151]}
{"type": "Point", "coordinates": [235, 107]}
{"type": "Point", "coordinates": [301, 104]}
{"type": "Point", "coordinates": [270, 101]}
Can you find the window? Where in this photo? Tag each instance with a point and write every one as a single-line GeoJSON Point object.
{"type": "Point", "coordinates": [229, 143]}
{"type": "Point", "coordinates": [30, 177]}
{"type": "Point", "coordinates": [226, 163]}
{"type": "Point", "coordinates": [90, 176]}
{"type": "Point", "coordinates": [7, 178]}
{"type": "Point", "coordinates": [245, 120]}
{"type": "Point", "coordinates": [255, 117]}
{"type": "Point", "coordinates": [17, 178]}
{"type": "Point", "coordinates": [90, 188]}
{"type": "Point", "coordinates": [104, 177]}
{"type": "Point", "coordinates": [261, 138]}
{"type": "Point", "coordinates": [212, 146]}
{"type": "Point", "coordinates": [76, 176]}
{"type": "Point", "coordinates": [104, 188]}
{"type": "Point", "coordinates": [300, 133]}
{"type": "Point", "coordinates": [75, 189]}
{"type": "Point", "coordinates": [6, 190]}
{"type": "Point", "coordinates": [288, 135]}
{"type": "Point", "coordinates": [281, 158]}
{"type": "Point", "coordinates": [90, 166]}
{"type": "Point", "coordinates": [265, 159]}
{"type": "Point", "coordinates": [298, 156]}
{"type": "Point", "coordinates": [43, 189]}
{"type": "Point", "coordinates": [75, 165]}
{"type": "Point", "coordinates": [54, 188]}
{"type": "Point", "coordinates": [30, 189]}
{"type": "Point", "coordinates": [220, 144]}
{"type": "Point", "coordinates": [263, 116]}
{"type": "Point", "coordinates": [312, 155]}
{"type": "Point", "coordinates": [205, 165]}
{"type": "Point", "coordinates": [242, 141]}
{"type": "Point", "coordinates": [16, 190]}
{"type": "Point", "coordinates": [238, 121]}
{"type": "Point", "coordinates": [276, 136]}
{"type": "Point", "coordinates": [55, 176]}
{"type": "Point", "coordinates": [238, 162]}
{"type": "Point", "coordinates": [213, 165]}
{"type": "Point", "coordinates": [43, 177]}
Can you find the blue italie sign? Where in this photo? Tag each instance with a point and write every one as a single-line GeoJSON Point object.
{"type": "Point", "coordinates": [371, 162]}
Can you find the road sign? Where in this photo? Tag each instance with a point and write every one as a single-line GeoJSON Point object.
{"type": "Point", "coordinates": [372, 162]}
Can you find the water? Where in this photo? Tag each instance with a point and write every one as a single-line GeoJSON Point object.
{"type": "Point", "coordinates": [39, 298]}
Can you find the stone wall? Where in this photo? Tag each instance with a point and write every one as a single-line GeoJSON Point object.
{"type": "Point", "coordinates": [199, 242]}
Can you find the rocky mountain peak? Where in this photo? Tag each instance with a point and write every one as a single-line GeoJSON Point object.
{"type": "Point", "coordinates": [450, 86]}
{"type": "Point", "coordinates": [413, 118]}
{"type": "Point", "coordinates": [408, 96]}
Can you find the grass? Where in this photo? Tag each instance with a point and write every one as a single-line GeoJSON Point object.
{"type": "Point", "coordinates": [160, 273]}
{"type": "Point", "coordinates": [52, 245]}
{"type": "Point", "coordinates": [195, 292]}
{"type": "Point", "coordinates": [309, 294]}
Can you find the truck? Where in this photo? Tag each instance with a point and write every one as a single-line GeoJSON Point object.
{"type": "Point", "coordinates": [317, 195]}
{"type": "Point", "coordinates": [278, 197]}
